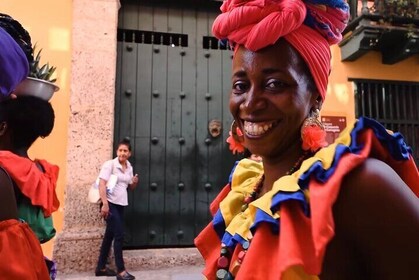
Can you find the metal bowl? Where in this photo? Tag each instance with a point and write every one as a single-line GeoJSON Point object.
{"type": "Point", "coordinates": [36, 87]}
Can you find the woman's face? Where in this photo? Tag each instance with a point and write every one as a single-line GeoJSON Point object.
{"type": "Point", "coordinates": [272, 94]}
{"type": "Point", "coordinates": [123, 153]}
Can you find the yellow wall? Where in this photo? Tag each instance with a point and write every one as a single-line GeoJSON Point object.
{"type": "Point", "coordinates": [49, 24]}
{"type": "Point", "coordinates": [340, 96]}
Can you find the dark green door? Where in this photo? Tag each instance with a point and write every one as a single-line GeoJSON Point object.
{"type": "Point", "coordinates": [172, 81]}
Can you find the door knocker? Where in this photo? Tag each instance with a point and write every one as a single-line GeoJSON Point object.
{"type": "Point", "coordinates": [214, 128]}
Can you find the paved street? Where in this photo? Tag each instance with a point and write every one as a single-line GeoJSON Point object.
{"type": "Point", "coordinates": [174, 273]}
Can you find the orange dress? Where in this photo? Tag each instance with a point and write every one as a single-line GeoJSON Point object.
{"type": "Point", "coordinates": [290, 226]}
{"type": "Point", "coordinates": [20, 253]}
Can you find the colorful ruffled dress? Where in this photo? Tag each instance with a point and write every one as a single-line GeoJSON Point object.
{"type": "Point", "coordinates": [291, 225]}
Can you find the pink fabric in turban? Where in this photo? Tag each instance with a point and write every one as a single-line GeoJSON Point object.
{"type": "Point", "coordinates": [309, 28]}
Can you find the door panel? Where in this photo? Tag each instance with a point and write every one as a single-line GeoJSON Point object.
{"type": "Point", "coordinates": [168, 89]}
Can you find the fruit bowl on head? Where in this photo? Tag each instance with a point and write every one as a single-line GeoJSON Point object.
{"type": "Point", "coordinates": [36, 87]}
{"type": "Point", "coordinates": [40, 82]}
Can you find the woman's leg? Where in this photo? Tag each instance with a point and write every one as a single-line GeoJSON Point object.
{"type": "Point", "coordinates": [106, 242]}
{"type": "Point", "coordinates": [118, 222]}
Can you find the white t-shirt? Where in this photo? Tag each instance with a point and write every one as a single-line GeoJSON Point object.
{"type": "Point", "coordinates": [119, 194]}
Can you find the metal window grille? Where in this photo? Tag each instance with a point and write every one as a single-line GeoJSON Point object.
{"type": "Point", "coordinates": [394, 104]}
{"type": "Point", "coordinates": [151, 37]}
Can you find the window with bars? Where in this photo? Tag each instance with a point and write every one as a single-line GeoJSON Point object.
{"type": "Point", "coordinates": [394, 104]}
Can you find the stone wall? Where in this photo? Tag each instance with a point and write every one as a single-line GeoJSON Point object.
{"type": "Point", "coordinates": [90, 131]}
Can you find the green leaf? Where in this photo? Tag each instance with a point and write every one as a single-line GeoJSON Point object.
{"type": "Point", "coordinates": [36, 71]}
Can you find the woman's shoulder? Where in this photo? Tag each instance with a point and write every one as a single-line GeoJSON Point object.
{"type": "Point", "coordinates": [379, 213]}
{"type": "Point", "coordinates": [109, 163]}
{"type": "Point", "coordinates": [375, 178]}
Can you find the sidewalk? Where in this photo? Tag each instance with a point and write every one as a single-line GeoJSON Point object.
{"type": "Point", "coordinates": [173, 273]}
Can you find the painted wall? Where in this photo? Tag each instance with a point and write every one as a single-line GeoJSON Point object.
{"type": "Point", "coordinates": [49, 24]}
{"type": "Point", "coordinates": [340, 96]}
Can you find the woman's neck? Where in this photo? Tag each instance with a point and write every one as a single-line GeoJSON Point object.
{"type": "Point", "coordinates": [23, 152]}
{"type": "Point", "coordinates": [275, 168]}
{"type": "Point", "coordinates": [123, 164]}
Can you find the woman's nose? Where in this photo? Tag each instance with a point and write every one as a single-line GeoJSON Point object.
{"type": "Point", "coordinates": [254, 101]}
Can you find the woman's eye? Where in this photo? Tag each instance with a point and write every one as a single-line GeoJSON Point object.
{"type": "Point", "coordinates": [239, 87]}
{"type": "Point", "coordinates": [275, 84]}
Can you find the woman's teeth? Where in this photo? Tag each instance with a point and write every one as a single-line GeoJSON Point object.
{"type": "Point", "coordinates": [256, 129]}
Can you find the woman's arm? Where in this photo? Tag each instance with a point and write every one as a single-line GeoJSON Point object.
{"type": "Point", "coordinates": [134, 182]}
{"type": "Point", "coordinates": [105, 172]}
{"type": "Point", "coordinates": [8, 208]}
{"type": "Point", "coordinates": [104, 210]}
{"type": "Point", "coordinates": [379, 215]}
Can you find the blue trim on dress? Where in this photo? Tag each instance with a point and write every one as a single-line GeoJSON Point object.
{"type": "Point", "coordinates": [395, 145]}
{"type": "Point", "coordinates": [228, 240]}
{"type": "Point", "coordinates": [230, 177]}
{"type": "Point", "coordinates": [282, 196]}
{"type": "Point", "coordinates": [262, 217]}
{"type": "Point", "coordinates": [218, 224]}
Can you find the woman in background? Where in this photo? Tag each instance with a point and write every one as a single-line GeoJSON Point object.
{"type": "Point", "coordinates": [112, 209]}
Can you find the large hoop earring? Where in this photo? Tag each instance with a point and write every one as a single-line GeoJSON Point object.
{"type": "Point", "coordinates": [235, 139]}
{"type": "Point", "coordinates": [313, 135]}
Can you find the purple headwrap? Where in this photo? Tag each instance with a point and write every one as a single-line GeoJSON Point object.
{"type": "Point", "coordinates": [14, 66]}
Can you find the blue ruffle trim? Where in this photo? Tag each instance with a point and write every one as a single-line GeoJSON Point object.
{"type": "Point", "coordinates": [231, 241]}
{"type": "Point", "coordinates": [218, 219]}
{"type": "Point", "coordinates": [395, 144]}
{"type": "Point", "coordinates": [262, 217]}
{"type": "Point", "coordinates": [281, 197]}
{"type": "Point", "coordinates": [218, 224]}
{"type": "Point", "coordinates": [230, 177]}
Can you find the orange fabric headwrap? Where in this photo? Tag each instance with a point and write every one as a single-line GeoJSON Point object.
{"type": "Point", "coordinates": [309, 28]}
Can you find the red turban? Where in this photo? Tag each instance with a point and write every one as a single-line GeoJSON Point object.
{"type": "Point", "coordinates": [309, 28]}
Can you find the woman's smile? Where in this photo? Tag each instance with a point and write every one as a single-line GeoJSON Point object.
{"type": "Point", "coordinates": [258, 129]}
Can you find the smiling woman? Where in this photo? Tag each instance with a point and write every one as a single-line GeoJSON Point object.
{"type": "Point", "coordinates": [271, 98]}
{"type": "Point", "coordinates": [305, 211]}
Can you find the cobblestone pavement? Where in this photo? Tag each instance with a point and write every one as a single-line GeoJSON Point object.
{"type": "Point", "coordinates": [174, 273]}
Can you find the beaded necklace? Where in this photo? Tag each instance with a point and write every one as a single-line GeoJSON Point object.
{"type": "Point", "coordinates": [223, 263]}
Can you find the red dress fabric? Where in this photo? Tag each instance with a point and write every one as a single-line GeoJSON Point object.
{"type": "Point", "coordinates": [38, 186]}
{"type": "Point", "coordinates": [20, 253]}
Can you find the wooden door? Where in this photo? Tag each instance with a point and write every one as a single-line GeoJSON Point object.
{"type": "Point", "coordinates": [173, 79]}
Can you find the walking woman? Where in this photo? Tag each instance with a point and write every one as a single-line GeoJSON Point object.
{"type": "Point", "coordinates": [112, 209]}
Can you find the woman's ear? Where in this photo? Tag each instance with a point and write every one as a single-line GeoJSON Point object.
{"type": "Point", "coordinates": [316, 101]}
{"type": "Point", "coordinates": [319, 103]}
